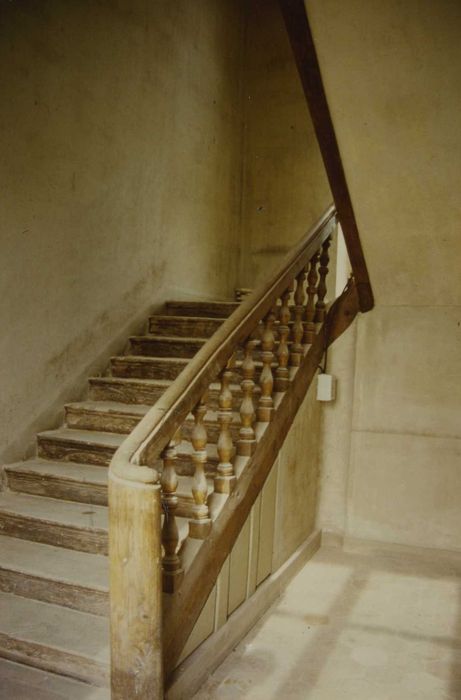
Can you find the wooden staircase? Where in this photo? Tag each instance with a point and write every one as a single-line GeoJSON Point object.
{"type": "Point", "coordinates": [53, 508]}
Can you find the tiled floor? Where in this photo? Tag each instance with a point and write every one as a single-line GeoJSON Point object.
{"type": "Point", "coordinates": [354, 626]}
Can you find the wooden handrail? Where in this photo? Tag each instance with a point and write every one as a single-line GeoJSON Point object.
{"type": "Point", "coordinates": [148, 439]}
{"type": "Point", "coordinates": [302, 43]}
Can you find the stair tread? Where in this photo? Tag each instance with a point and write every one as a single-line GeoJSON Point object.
{"type": "Point", "coordinates": [169, 338]}
{"type": "Point", "coordinates": [67, 513]}
{"type": "Point", "coordinates": [191, 303]}
{"type": "Point", "coordinates": [134, 380]}
{"type": "Point", "coordinates": [179, 317]}
{"type": "Point", "coordinates": [55, 563]}
{"type": "Point", "coordinates": [148, 359]}
{"type": "Point", "coordinates": [20, 682]}
{"type": "Point", "coordinates": [69, 471]}
{"type": "Point", "coordinates": [136, 409]}
{"type": "Point", "coordinates": [54, 626]}
{"type": "Point", "coordinates": [90, 437]}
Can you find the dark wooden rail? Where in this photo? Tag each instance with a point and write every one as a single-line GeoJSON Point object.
{"type": "Point", "coordinates": [302, 43]}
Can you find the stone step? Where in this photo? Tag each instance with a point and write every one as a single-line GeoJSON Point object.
{"type": "Point", "coordinates": [141, 367]}
{"type": "Point", "coordinates": [94, 447]}
{"type": "Point", "coordinates": [187, 326]}
{"type": "Point", "coordinates": [86, 484]}
{"type": "Point", "coordinates": [76, 580]}
{"type": "Point", "coordinates": [145, 391]}
{"type": "Point", "coordinates": [81, 446]}
{"type": "Point", "coordinates": [50, 521]}
{"type": "Point", "coordinates": [54, 638]}
{"type": "Point", "coordinates": [122, 418]}
{"type": "Point", "coordinates": [165, 346]}
{"type": "Point", "coordinates": [207, 309]}
{"type": "Point", "coordinates": [155, 368]}
{"type": "Point", "coordinates": [127, 390]}
{"type": "Point", "coordinates": [107, 416]}
{"type": "Point", "coordinates": [19, 682]}
{"type": "Point", "coordinates": [83, 483]}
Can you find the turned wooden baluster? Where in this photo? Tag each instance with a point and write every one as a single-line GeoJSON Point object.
{"type": "Point", "coordinates": [247, 439]}
{"type": "Point", "coordinates": [225, 478]}
{"type": "Point", "coordinates": [200, 524]}
{"type": "Point", "coordinates": [282, 373]}
{"type": "Point", "coordinates": [309, 330]}
{"type": "Point", "coordinates": [266, 379]}
{"type": "Point", "coordinates": [171, 563]}
{"type": "Point", "coordinates": [322, 285]}
{"type": "Point", "coordinates": [297, 349]}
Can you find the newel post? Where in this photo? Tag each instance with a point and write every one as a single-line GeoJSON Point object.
{"type": "Point", "coordinates": [135, 589]}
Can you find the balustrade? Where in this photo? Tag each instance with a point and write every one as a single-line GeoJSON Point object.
{"type": "Point", "coordinates": [200, 524]}
{"type": "Point", "coordinates": [312, 277]}
{"type": "Point", "coordinates": [297, 349]}
{"type": "Point", "coordinates": [171, 563]}
{"type": "Point", "coordinates": [282, 373]}
{"type": "Point", "coordinates": [247, 439]}
{"type": "Point", "coordinates": [225, 478]}
{"type": "Point", "coordinates": [266, 379]}
{"type": "Point", "coordinates": [320, 306]}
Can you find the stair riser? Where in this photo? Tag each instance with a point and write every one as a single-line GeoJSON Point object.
{"type": "Point", "coordinates": [131, 393]}
{"type": "Point", "coordinates": [105, 422]}
{"type": "Point", "coordinates": [52, 487]}
{"type": "Point", "coordinates": [201, 308]}
{"type": "Point", "coordinates": [154, 369]}
{"type": "Point", "coordinates": [55, 592]}
{"type": "Point", "coordinates": [70, 452]}
{"type": "Point", "coordinates": [157, 347]}
{"type": "Point", "coordinates": [53, 660]}
{"type": "Point", "coordinates": [187, 328]}
{"type": "Point", "coordinates": [93, 541]}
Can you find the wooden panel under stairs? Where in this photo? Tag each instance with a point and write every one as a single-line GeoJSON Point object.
{"type": "Point", "coordinates": [53, 509]}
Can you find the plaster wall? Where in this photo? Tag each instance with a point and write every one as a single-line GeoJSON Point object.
{"type": "Point", "coordinates": [285, 187]}
{"type": "Point", "coordinates": [120, 142]}
{"type": "Point", "coordinates": [391, 74]}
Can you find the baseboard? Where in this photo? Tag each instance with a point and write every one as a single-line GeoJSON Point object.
{"type": "Point", "coordinates": [371, 547]}
{"type": "Point", "coordinates": [333, 540]}
{"type": "Point", "coordinates": [193, 671]}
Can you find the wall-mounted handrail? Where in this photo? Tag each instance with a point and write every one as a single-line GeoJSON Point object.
{"type": "Point", "coordinates": [299, 32]}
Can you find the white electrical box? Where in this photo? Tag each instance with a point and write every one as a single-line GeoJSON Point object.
{"type": "Point", "coordinates": [326, 387]}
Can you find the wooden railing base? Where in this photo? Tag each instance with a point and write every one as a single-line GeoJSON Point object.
{"type": "Point", "coordinates": [135, 590]}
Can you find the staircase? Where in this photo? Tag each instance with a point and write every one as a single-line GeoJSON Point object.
{"type": "Point", "coordinates": [180, 437]}
{"type": "Point", "coordinates": [54, 585]}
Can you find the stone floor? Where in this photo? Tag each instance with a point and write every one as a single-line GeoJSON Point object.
{"type": "Point", "coordinates": [355, 625]}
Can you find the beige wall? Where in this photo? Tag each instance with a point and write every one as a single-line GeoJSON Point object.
{"type": "Point", "coordinates": [120, 172]}
{"type": "Point", "coordinates": [285, 187]}
{"type": "Point", "coordinates": [391, 73]}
